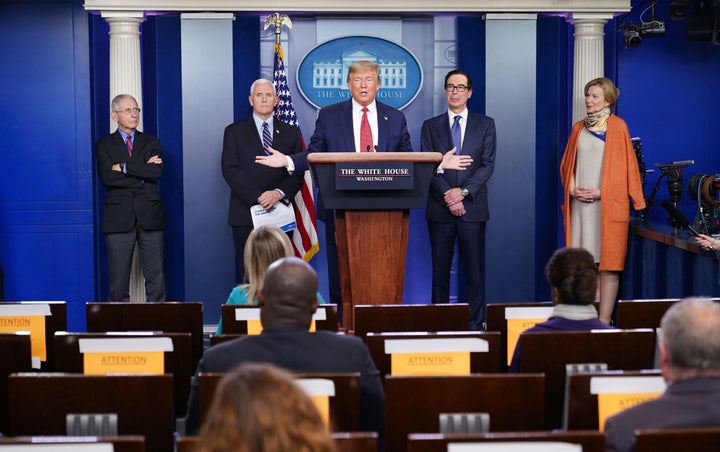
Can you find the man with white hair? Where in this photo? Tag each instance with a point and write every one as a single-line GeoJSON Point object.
{"type": "Point", "coordinates": [690, 362]}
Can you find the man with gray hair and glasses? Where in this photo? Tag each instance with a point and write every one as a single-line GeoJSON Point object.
{"type": "Point", "coordinates": [689, 346]}
{"type": "Point", "coordinates": [130, 164]}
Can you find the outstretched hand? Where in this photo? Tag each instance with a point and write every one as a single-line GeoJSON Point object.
{"type": "Point", "coordinates": [276, 159]}
{"type": "Point", "coordinates": [452, 161]}
{"type": "Point", "coordinates": [707, 242]}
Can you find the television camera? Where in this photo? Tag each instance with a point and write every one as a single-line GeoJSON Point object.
{"type": "Point", "coordinates": [673, 172]}
{"type": "Point", "coordinates": [704, 189]}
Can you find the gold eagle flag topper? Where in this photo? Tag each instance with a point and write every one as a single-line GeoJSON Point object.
{"type": "Point", "coordinates": [277, 20]}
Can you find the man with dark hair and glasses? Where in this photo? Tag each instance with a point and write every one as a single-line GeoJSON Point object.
{"type": "Point", "coordinates": [130, 164]}
{"type": "Point", "coordinates": [457, 206]}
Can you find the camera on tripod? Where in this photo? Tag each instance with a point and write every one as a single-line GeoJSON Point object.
{"type": "Point", "coordinates": [667, 167]}
{"type": "Point", "coordinates": [704, 189]}
{"type": "Point", "coordinates": [673, 171]}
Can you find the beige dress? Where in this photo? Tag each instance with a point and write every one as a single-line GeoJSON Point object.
{"type": "Point", "coordinates": [585, 217]}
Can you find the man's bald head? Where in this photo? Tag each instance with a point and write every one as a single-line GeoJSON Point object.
{"type": "Point", "coordinates": [289, 293]}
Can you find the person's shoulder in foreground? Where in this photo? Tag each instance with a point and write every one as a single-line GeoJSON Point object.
{"type": "Point", "coordinates": [689, 346]}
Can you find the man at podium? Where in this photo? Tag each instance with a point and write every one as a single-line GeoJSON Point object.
{"type": "Point", "coordinates": [457, 206]}
{"type": "Point", "coordinates": [360, 124]}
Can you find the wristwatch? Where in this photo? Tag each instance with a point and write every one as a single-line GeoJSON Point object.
{"type": "Point", "coordinates": [464, 192]}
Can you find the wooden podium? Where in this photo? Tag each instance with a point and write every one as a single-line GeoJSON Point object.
{"type": "Point", "coordinates": [372, 194]}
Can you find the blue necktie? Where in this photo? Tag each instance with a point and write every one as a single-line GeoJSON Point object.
{"type": "Point", "coordinates": [267, 138]}
{"type": "Point", "coordinates": [456, 134]}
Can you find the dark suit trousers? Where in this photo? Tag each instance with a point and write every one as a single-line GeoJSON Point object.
{"type": "Point", "coordinates": [120, 253]}
{"type": "Point", "coordinates": [471, 245]}
{"type": "Point", "coordinates": [333, 265]}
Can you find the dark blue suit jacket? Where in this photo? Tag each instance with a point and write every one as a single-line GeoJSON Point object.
{"type": "Point", "coordinates": [297, 350]}
{"type": "Point", "coordinates": [479, 142]}
{"type": "Point", "coordinates": [334, 132]}
{"type": "Point", "coordinates": [132, 198]}
{"type": "Point", "coordinates": [248, 180]}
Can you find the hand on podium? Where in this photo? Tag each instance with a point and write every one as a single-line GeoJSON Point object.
{"type": "Point", "coordinates": [452, 161]}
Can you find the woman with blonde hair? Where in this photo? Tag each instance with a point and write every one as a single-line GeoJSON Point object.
{"type": "Point", "coordinates": [265, 245]}
{"type": "Point", "coordinates": [260, 408]}
{"type": "Point", "coordinates": [599, 173]}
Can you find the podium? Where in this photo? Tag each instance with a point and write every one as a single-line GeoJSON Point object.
{"type": "Point", "coordinates": [372, 194]}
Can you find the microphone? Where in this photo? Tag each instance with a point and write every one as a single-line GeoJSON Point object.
{"type": "Point", "coordinates": [679, 217]}
{"type": "Point", "coordinates": [375, 148]}
{"type": "Point", "coordinates": [368, 148]}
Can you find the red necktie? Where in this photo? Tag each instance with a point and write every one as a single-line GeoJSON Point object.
{"type": "Point", "coordinates": [129, 145]}
{"type": "Point", "coordinates": [366, 139]}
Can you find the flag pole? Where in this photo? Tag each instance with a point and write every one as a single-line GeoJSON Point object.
{"type": "Point", "coordinates": [304, 239]}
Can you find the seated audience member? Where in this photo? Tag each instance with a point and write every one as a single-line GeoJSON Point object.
{"type": "Point", "coordinates": [287, 302]}
{"type": "Point", "coordinates": [572, 275]}
{"type": "Point", "coordinates": [259, 408]}
{"type": "Point", "coordinates": [265, 245]}
{"type": "Point", "coordinates": [689, 346]}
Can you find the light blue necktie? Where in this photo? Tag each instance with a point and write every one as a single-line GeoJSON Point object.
{"type": "Point", "coordinates": [456, 134]}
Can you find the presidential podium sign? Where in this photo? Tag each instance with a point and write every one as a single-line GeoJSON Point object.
{"type": "Point", "coordinates": [372, 194]}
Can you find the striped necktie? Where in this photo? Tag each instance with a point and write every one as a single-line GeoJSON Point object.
{"type": "Point", "coordinates": [267, 138]}
{"type": "Point", "coordinates": [129, 144]}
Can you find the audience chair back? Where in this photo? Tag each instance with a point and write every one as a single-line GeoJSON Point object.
{"type": "Point", "coordinates": [235, 318]}
{"type": "Point", "coordinates": [496, 322]}
{"type": "Point", "coordinates": [485, 362]}
{"type": "Point", "coordinates": [178, 362]}
{"type": "Point", "coordinates": [344, 406]}
{"type": "Point", "coordinates": [550, 352]}
{"type": "Point", "coordinates": [388, 318]}
{"type": "Point", "coordinates": [167, 317]}
{"type": "Point", "coordinates": [344, 441]}
{"type": "Point", "coordinates": [355, 441]}
{"type": "Point", "coordinates": [572, 369]}
{"type": "Point", "coordinates": [705, 439]}
{"type": "Point", "coordinates": [55, 321]}
{"type": "Point", "coordinates": [643, 313]}
{"type": "Point", "coordinates": [413, 404]}
{"type": "Point", "coordinates": [582, 404]}
{"type": "Point", "coordinates": [123, 443]}
{"type": "Point", "coordinates": [15, 353]}
{"type": "Point", "coordinates": [40, 403]}
{"type": "Point", "coordinates": [590, 440]}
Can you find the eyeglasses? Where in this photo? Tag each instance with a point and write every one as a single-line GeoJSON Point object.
{"type": "Point", "coordinates": [460, 88]}
{"type": "Point", "coordinates": [127, 111]}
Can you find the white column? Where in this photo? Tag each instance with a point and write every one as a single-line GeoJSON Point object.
{"type": "Point", "coordinates": [125, 71]}
{"type": "Point", "coordinates": [125, 78]}
{"type": "Point", "coordinates": [588, 56]}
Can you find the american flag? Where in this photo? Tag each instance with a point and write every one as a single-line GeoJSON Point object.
{"type": "Point", "coordinates": [305, 239]}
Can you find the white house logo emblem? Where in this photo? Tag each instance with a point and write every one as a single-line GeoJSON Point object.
{"type": "Point", "coordinates": [322, 74]}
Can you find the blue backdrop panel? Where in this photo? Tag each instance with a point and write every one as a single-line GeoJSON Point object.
{"type": "Point", "coordinates": [45, 155]}
{"type": "Point", "coordinates": [510, 99]}
{"type": "Point", "coordinates": [162, 63]}
{"type": "Point", "coordinates": [552, 117]}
